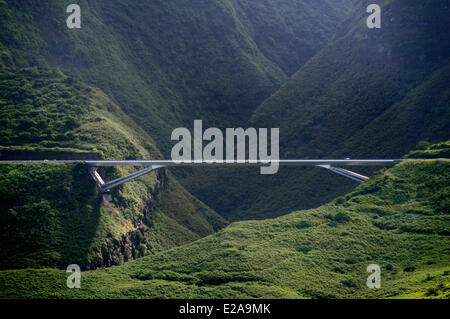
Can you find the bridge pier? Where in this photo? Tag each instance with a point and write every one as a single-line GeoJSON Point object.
{"type": "Point", "coordinates": [104, 187]}
{"type": "Point", "coordinates": [346, 173]}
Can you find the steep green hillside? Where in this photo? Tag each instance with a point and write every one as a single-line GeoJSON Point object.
{"type": "Point", "coordinates": [52, 215]}
{"type": "Point", "coordinates": [368, 94]}
{"type": "Point", "coordinates": [427, 150]}
{"type": "Point", "coordinates": [166, 63]}
{"type": "Point", "coordinates": [291, 32]}
{"type": "Point", "coordinates": [163, 63]}
{"type": "Point", "coordinates": [399, 220]}
{"type": "Point", "coordinates": [369, 83]}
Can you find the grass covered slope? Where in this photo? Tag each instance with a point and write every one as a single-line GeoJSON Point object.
{"type": "Point", "coordinates": [399, 219]}
{"type": "Point", "coordinates": [370, 93]}
{"type": "Point", "coordinates": [291, 32]}
{"type": "Point", "coordinates": [52, 215]}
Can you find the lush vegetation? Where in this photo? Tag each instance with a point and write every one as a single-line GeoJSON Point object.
{"type": "Point", "coordinates": [118, 86]}
{"type": "Point", "coordinates": [399, 219]}
{"type": "Point", "coordinates": [168, 62]}
{"type": "Point", "coordinates": [428, 150]}
{"type": "Point", "coordinates": [52, 215]}
{"type": "Point", "coordinates": [368, 94]}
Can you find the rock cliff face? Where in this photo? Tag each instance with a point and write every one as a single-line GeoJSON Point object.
{"type": "Point", "coordinates": [135, 243]}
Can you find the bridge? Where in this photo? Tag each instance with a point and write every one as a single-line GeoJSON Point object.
{"type": "Point", "coordinates": [151, 165]}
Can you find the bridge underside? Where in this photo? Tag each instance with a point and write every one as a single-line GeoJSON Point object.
{"type": "Point", "coordinates": [106, 186]}
{"type": "Point", "coordinates": [152, 165]}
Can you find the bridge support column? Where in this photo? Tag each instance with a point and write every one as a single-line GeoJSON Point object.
{"type": "Point", "coordinates": [106, 186]}
{"type": "Point", "coordinates": [346, 173]}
